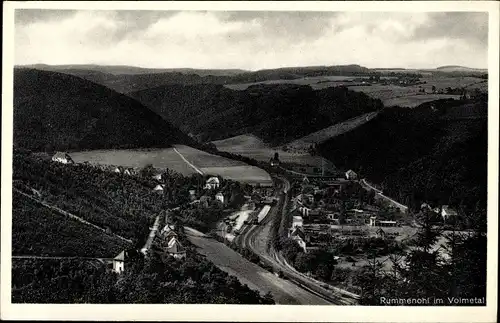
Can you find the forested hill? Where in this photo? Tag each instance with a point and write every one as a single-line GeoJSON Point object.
{"type": "Point", "coordinates": [64, 112]}
{"type": "Point", "coordinates": [435, 153]}
{"type": "Point", "coordinates": [275, 113]}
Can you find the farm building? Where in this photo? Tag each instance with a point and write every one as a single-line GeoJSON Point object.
{"type": "Point", "coordinates": [123, 258]}
{"type": "Point", "coordinates": [212, 183]}
{"type": "Point", "coordinates": [351, 175]}
{"type": "Point", "coordinates": [447, 212]}
{"type": "Point", "coordinates": [63, 158]}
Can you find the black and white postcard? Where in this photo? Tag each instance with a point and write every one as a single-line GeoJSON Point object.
{"type": "Point", "coordinates": [243, 161]}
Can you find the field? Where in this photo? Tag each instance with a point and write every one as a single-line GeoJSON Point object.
{"type": "Point", "coordinates": [412, 101]}
{"type": "Point", "coordinates": [316, 82]}
{"type": "Point", "coordinates": [160, 158]}
{"type": "Point", "coordinates": [318, 137]}
{"type": "Point", "coordinates": [389, 94]}
{"type": "Point", "coordinates": [168, 158]}
{"type": "Point", "coordinates": [252, 147]}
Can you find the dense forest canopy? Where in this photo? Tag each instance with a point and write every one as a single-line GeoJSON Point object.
{"type": "Point", "coordinates": [275, 113]}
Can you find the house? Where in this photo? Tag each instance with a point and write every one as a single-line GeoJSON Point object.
{"type": "Point", "coordinates": [297, 221]}
{"type": "Point", "coordinates": [297, 234]}
{"type": "Point", "coordinates": [159, 188]}
{"type": "Point", "coordinates": [351, 175]}
{"type": "Point", "coordinates": [274, 161]}
{"type": "Point", "coordinates": [175, 249]}
{"type": "Point", "coordinates": [119, 170]}
{"type": "Point", "coordinates": [128, 171]}
{"type": "Point", "coordinates": [425, 206]}
{"type": "Point", "coordinates": [212, 183]}
{"type": "Point", "coordinates": [192, 195]}
{"type": "Point", "coordinates": [447, 212]}
{"type": "Point", "coordinates": [168, 233]}
{"type": "Point", "coordinates": [219, 197]}
{"type": "Point", "coordinates": [304, 210]}
{"type": "Point", "coordinates": [124, 259]}
{"type": "Point", "coordinates": [157, 177]}
{"type": "Point", "coordinates": [382, 223]}
{"type": "Point", "coordinates": [63, 158]}
{"type": "Point", "coordinates": [305, 180]}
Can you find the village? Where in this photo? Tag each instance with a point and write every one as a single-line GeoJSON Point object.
{"type": "Point", "coordinates": [344, 215]}
{"type": "Point", "coordinates": [352, 220]}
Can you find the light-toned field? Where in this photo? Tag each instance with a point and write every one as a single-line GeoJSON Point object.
{"type": "Point", "coordinates": [316, 82]}
{"type": "Point", "coordinates": [245, 174]}
{"type": "Point", "coordinates": [203, 159]}
{"type": "Point", "coordinates": [250, 146]}
{"type": "Point", "coordinates": [330, 132]}
{"type": "Point", "coordinates": [159, 158]}
{"type": "Point", "coordinates": [168, 158]}
{"type": "Point", "coordinates": [412, 101]}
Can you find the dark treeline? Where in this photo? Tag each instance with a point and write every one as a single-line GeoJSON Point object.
{"type": "Point", "coordinates": [420, 155]}
{"type": "Point", "coordinates": [448, 273]}
{"type": "Point", "coordinates": [275, 113]}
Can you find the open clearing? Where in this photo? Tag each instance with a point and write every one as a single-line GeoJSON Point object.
{"type": "Point", "coordinates": [324, 82]}
{"type": "Point", "coordinates": [250, 146]}
{"type": "Point", "coordinates": [386, 93]}
{"type": "Point", "coordinates": [412, 101]}
{"type": "Point", "coordinates": [330, 132]}
{"type": "Point", "coordinates": [159, 158]}
{"type": "Point", "coordinates": [167, 158]}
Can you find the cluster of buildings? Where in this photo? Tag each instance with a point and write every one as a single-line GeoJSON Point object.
{"type": "Point", "coordinates": [445, 211]}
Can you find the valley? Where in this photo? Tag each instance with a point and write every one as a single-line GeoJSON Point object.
{"type": "Point", "coordinates": [179, 153]}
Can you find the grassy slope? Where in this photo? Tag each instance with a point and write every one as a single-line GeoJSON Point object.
{"type": "Point", "coordinates": [418, 155]}
{"type": "Point", "coordinates": [64, 112]}
{"type": "Point", "coordinates": [274, 113]}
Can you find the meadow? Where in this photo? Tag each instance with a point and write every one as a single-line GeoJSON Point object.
{"type": "Point", "coordinates": [250, 146]}
{"type": "Point", "coordinates": [168, 158]}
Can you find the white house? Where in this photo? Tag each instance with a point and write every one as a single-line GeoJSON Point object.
{"type": "Point", "coordinates": [123, 258]}
{"type": "Point", "coordinates": [297, 221]}
{"type": "Point", "coordinates": [212, 183]}
{"type": "Point", "coordinates": [299, 236]}
{"type": "Point", "coordinates": [157, 177]}
{"type": "Point", "coordinates": [220, 197]}
{"type": "Point", "coordinates": [351, 175]}
{"type": "Point", "coordinates": [175, 249]}
{"type": "Point", "coordinates": [159, 188]}
{"type": "Point", "coordinates": [63, 158]}
{"type": "Point", "coordinates": [447, 212]}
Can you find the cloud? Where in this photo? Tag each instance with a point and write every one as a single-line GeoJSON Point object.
{"type": "Point", "coordinates": [250, 40]}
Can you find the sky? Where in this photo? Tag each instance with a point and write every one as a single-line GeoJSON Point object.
{"type": "Point", "coordinates": [251, 40]}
